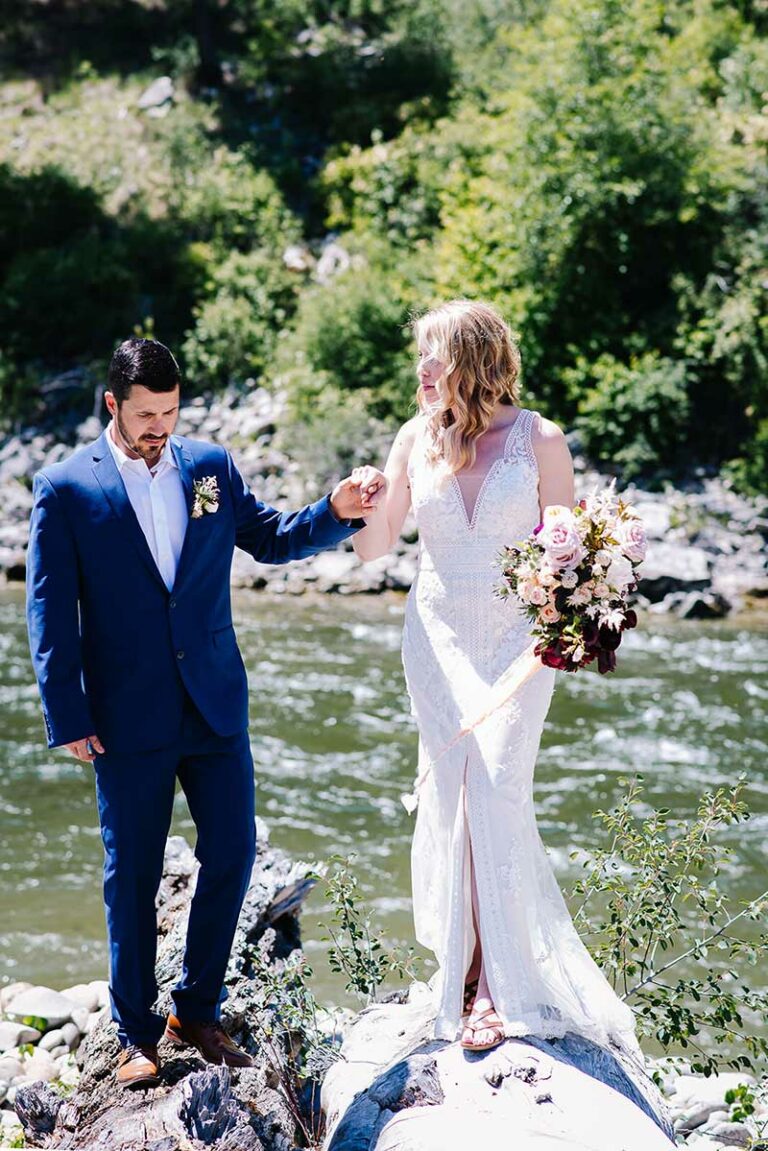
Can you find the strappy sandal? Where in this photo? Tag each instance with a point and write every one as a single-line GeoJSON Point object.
{"type": "Point", "coordinates": [497, 1030]}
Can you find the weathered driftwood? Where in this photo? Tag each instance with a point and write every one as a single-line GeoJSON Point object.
{"type": "Point", "coordinates": [397, 1089]}
{"type": "Point", "coordinates": [196, 1105]}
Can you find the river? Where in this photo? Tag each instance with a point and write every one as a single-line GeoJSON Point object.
{"type": "Point", "coordinates": [334, 748]}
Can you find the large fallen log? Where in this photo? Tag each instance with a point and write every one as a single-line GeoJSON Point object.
{"type": "Point", "coordinates": [196, 1105]}
{"type": "Point", "coordinates": [398, 1089]}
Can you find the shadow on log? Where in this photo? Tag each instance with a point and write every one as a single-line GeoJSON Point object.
{"type": "Point", "coordinates": [195, 1105]}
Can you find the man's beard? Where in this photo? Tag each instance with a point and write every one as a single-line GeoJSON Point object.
{"type": "Point", "coordinates": [149, 451]}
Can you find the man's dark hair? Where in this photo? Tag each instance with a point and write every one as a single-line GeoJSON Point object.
{"type": "Point", "coordinates": [145, 362]}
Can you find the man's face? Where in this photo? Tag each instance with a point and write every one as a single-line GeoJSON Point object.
{"type": "Point", "coordinates": [144, 421]}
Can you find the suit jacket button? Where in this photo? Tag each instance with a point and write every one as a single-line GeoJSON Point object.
{"type": "Point", "coordinates": [173, 603]}
{"type": "Point", "coordinates": [179, 655]}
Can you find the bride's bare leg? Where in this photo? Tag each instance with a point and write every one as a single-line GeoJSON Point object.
{"type": "Point", "coordinates": [486, 1030]}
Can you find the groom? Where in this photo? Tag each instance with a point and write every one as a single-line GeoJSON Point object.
{"type": "Point", "coordinates": [130, 627]}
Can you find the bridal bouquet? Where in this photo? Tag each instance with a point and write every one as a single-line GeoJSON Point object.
{"type": "Point", "coordinates": [572, 577]}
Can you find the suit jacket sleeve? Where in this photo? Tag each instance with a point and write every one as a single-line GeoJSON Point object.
{"type": "Point", "coordinates": [53, 619]}
{"type": "Point", "coordinates": [274, 537]}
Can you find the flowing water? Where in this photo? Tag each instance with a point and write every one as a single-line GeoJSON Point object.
{"type": "Point", "coordinates": [334, 747]}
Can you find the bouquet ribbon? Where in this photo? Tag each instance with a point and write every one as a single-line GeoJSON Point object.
{"type": "Point", "coordinates": [523, 668]}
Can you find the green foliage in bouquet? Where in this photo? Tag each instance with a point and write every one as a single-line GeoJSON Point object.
{"type": "Point", "coordinates": [671, 942]}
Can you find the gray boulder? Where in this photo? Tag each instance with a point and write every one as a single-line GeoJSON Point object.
{"type": "Point", "coordinates": [671, 567]}
{"type": "Point", "coordinates": [398, 1089]}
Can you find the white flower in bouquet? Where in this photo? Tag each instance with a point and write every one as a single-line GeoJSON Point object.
{"type": "Point", "coordinates": [569, 578]}
{"type": "Point", "coordinates": [581, 595]}
{"type": "Point", "coordinates": [560, 539]}
{"type": "Point", "coordinates": [632, 539]}
{"type": "Point", "coordinates": [620, 574]}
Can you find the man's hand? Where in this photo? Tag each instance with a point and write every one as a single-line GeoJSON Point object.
{"type": "Point", "coordinates": [360, 494]}
{"type": "Point", "coordinates": [87, 748]}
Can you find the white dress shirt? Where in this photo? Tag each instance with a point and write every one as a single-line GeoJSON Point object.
{"type": "Point", "coordinates": [157, 497]}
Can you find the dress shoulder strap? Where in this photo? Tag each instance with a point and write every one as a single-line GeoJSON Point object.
{"type": "Point", "coordinates": [519, 441]}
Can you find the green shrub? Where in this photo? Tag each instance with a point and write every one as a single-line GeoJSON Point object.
{"type": "Point", "coordinates": [352, 334]}
{"type": "Point", "coordinates": [671, 942]}
{"type": "Point", "coordinates": [248, 300]}
{"type": "Point", "coordinates": [220, 198]}
{"type": "Point", "coordinates": [632, 417]}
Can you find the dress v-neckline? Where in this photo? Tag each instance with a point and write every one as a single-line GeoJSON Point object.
{"type": "Point", "coordinates": [471, 521]}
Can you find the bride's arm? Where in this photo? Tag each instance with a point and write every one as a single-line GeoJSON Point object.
{"type": "Point", "coordinates": [384, 524]}
{"type": "Point", "coordinates": [555, 465]}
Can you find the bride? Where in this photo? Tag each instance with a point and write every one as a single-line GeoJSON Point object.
{"type": "Point", "coordinates": [478, 470]}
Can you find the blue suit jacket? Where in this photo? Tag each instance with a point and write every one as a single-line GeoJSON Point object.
{"type": "Point", "coordinates": [113, 650]}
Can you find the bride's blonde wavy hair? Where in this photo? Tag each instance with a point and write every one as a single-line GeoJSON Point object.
{"type": "Point", "coordinates": [482, 368]}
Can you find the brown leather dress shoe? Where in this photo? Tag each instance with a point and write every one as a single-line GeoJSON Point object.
{"type": "Point", "coordinates": [138, 1066]}
{"type": "Point", "coordinates": [210, 1039]}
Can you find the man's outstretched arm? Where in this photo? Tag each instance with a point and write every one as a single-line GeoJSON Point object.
{"type": "Point", "coordinates": [275, 537]}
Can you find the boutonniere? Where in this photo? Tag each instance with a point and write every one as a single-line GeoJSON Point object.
{"type": "Point", "coordinates": [206, 496]}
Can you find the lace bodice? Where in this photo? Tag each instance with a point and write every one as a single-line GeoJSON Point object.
{"type": "Point", "coordinates": [506, 507]}
{"type": "Point", "coordinates": [458, 558]}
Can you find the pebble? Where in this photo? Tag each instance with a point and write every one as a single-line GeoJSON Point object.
{"type": "Point", "coordinates": [11, 1067]}
{"type": "Point", "coordinates": [7, 993]}
{"type": "Point", "coordinates": [39, 1065]}
{"type": "Point", "coordinates": [14, 1034]}
{"type": "Point", "coordinates": [84, 994]}
{"type": "Point", "coordinates": [80, 1017]}
{"type": "Point", "coordinates": [71, 1033]}
{"type": "Point", "coordinates": [734, 1134]}
{"type": "Point", "coordinates": [50, 1040]}
{"type": "Point", "coordinates": [42, 1003]}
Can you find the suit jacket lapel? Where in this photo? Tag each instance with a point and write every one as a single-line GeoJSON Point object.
{"type": "Point", "coordinates": [106, 472]}
{"type": "Point", "coordinates": [186, 465]}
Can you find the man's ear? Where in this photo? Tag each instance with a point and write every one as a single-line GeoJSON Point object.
{"type": "Point", "coordinates": [111, 402]}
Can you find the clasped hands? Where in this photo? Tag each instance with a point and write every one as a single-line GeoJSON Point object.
{"type": "Point", "coordinates": [360, 494]}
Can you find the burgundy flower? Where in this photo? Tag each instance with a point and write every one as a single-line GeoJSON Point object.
{"type": "Point", "coordinates": [630, 620]}
{"type": "Point", "coordinates": [551, 655]}
{"type": "Point", "coordinates": [610, 638]}
{"type": "Point", "coordinates": [606, 661]}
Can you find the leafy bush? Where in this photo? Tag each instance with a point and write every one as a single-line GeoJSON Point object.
{"type": "Point", "coordinates": [666, 936]}
{"type": "Point", "coordinates": [352, 335]}
{"type": "Point", "coordinates": [220, 198]}
{"type": "Point", "coordinates": [632, 417]}
{"type": "Point", "coordinates": [248, 300]}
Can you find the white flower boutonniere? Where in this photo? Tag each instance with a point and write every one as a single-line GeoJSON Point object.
{"type": "Point", "coordinates": [206, 496]}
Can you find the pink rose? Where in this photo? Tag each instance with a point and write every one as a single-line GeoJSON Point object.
{"type": "Point", "coordinates": [633, 540]}
{"type": "Point", "coordinates": [560, 538]}
{"type": "Point", "coordinates": [549, 613]}
{"type": "Point", "coordinates": [537, 596]}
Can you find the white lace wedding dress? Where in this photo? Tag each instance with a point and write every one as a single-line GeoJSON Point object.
{"type": "Point", "coordinates": [476, 801]}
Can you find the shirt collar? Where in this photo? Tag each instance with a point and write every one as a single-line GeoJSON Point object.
{"type": "Point", "coordinates": [123, 461]}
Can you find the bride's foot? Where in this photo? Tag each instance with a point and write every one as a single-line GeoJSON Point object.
{"type": "Point", "coordinates": [484, 1029]}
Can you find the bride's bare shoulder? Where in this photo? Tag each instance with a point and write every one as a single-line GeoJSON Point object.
{"type": "Point", "coordinates": [406, 437]}
{"type": "Point", "coordinates": [546, 432]}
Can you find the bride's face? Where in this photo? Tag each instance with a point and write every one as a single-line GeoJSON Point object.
{"type": "Point", "coordinates": [431, 373]}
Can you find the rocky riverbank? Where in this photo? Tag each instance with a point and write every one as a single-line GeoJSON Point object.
{"type": "Point", "coordinates": [43, 1040]}
{"type": "Point", "coordinates": [708, 553]}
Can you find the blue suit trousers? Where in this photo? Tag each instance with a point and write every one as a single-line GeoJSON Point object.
{"type": "Point", "coordinates": [135, 795]}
